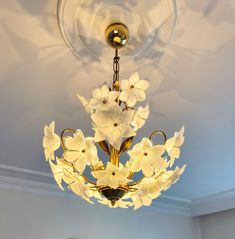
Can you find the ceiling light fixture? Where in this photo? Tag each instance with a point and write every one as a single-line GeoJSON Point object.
{"type": "Point", "coordinates": [115, 121]}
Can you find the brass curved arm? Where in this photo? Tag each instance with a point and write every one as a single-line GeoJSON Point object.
{"type": "Point", "coordinates": [131, 175]}
{"type": "Point", "coordinates": [88, 180]}
{"type": "Point", "coordinates": [85, 177]}
{"type": "Point", "coordinates": [128, 108]}
{"type": "Point", "coordinates": [136, 183]}
{"type": "Point", "coordinates": [62, 137]}
{"type": "Point", "coordinates": [157, 132]}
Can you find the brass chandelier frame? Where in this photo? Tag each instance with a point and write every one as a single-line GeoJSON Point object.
{"type": "Point", "coordinates": [117, 36]}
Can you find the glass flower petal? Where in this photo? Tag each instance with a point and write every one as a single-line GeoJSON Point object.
{"type": "Point", "coordinates": [61, 170]}
{"type": "Point", "coordinates": [118, 204]}
{"type": "Point", "coordinates": [79, 187]}
{"type": "Point", "coordinates": [140, 116]}
{"type": "Point", "coordinates": [51, 141]}
{"type": "Point", "coordinates": [85, 103]}
{"type": "Point", "coordinates": [173, 145]}
{"type": "Point", "coordinates": [170, 177]}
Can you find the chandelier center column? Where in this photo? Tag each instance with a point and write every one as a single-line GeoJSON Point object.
{"type": "Point", "coordinates": [116, 69]}
{"type": "Point", "coordinates": [114, 156]}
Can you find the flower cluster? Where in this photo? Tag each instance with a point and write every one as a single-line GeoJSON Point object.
{"type": "Point", "coordinates": [112, 112]}
{"type": "Point", "coordinates": [115, 120]}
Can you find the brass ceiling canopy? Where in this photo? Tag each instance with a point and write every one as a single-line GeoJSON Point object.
{"type": "Point", "coordinates": [117, 35]}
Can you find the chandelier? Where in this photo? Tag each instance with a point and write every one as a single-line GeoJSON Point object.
{"type": "Point", "coordinates": [116, 116]}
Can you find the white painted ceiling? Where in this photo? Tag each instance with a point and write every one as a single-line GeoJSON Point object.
{"type": "Point", "coordinates": [192, 85]}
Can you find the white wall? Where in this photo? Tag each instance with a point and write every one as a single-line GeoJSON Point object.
{"type": "Point", "coordinates": [25, 215]}
{"type": "Point", "coordinates": [219, 225]}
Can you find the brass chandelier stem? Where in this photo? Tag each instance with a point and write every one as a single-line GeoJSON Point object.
{"type": "Point", "coordinates": [114, 153]}
{"type": "Point", "coordinates": [116, 68]}
{"type": "Point", "coordinates": [114, 156]}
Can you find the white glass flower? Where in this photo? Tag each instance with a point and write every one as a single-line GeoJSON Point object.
{"type": "Point", "coordinates": [80, 188]}
{"type": "Point", "coordinates": [51, 141]}
{"type": "Point", "coordinates": [140, 117]}
{"type": "Point", "coordinates": [148, 190]}
{"type": "Point", "coordinates": [150, 187]}
{"type": "Point", "coordinates": [113, 125]}
{"type": "Point", "coordinates": [62, 172]}
{"type": "Point", "coordinates": [118, 204]}
{"type": "Point", "coordinates": [80, 151]}
{"type": "Point", "coordinates": [103, 97]}
{"type": "Point", "coordinates": [170, 177]}
{"type": "Point", "coordinates": [133, 89]}
{"type": "Point", "coordinates": [85, 103]}
{"type": "Point", "coordinates": [112, 176]}
{"type": "Point", "coordinates": [139, 199]}
{"type": "Point", "coordinates": [173, 145]}
{"type": "Point", "coordinates": [147, 157]}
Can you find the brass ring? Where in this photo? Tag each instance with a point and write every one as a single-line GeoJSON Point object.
{"type": "Point", "coordinates": [156, 133]}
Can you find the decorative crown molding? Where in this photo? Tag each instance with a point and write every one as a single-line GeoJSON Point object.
{"type": "Point", "coordinates": [213, 203]}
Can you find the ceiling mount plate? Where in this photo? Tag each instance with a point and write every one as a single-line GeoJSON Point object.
{"type": "Point", "coordinates": [117, 35]}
